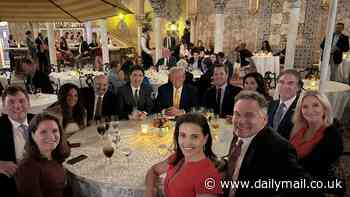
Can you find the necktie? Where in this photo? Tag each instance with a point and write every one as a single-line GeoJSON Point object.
{"type": "Point", "coordinates": [236, 149]}
{"type": "Point", "coordinates": [98, 112]}
{"type": "Point", "coordinates": [218, 101]}
{"type": "Point", "coordinates": [136, 96]}
{"type": "Point", "coordinates": [24, 130]}
{"type": "Point", "coordinates": [278, 116]}
{"type": "Point", "coordinates": [177, 98]}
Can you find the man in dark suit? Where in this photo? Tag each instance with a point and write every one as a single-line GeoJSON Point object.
{"type": "Point", "coordinates": [223, 60]}
{"type": "Point", "coordinates": [36, 78]}
{"type": "Point", "coordinates": [99, 102]}
{"type": "Point", "coordinates": [13, 135]}
{"type": "Point", "coordinates": [195, 61]}
{"type": "Point", "coordinates": [169, 42]}
{"type": "Point", "coordinates": [281, 111]}
{"type": "Point", "coordinates": [134, 98]}
{"type": "Point", "coordinates": [340, 44]}
{"type": "Point", "coordinates": [168, 60]}
{"type": "Point", "coordinates": [221, 96]}
{"type": "Point", "coordinates": [176, 97]}
{"type": "Point", "coordinates": [257, 153]}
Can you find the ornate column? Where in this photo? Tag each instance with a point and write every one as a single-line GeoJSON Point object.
{"type": "Point", "coordinates": [88, 31]}
{"type": "Point", "coordinates": [324, 68]}
{"type": "Point", "coordinates": [219, 25]}
{"type": "Point", "coordinates": [104, 40]}
{"type": "Point", "coordinates": [140, 16]}
{"type": "Point", "coordinates": [51, 39]}
{"type": "Point", "coordinates": [292, 33]}
{"type": "Point", "coordinates": [157, 6]}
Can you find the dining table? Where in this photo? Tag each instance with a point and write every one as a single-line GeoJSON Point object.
{"type": "Point", "coordinates": [267, 63]}
{"type": "Point", "coordinates": [76, 77]}
{"type": "Point", "coordinates": [124, 175]}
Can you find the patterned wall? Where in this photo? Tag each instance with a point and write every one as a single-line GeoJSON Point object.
{"type": "Point", "coordinates": [271, 23]}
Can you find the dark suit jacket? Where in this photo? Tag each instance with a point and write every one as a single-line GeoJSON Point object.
{"type": "Point", "coordinates": [188, 97]}
{"type": "Point", "coordinates": [191, 62]}
{"type": "Point", "coordinates": [7, 153]}
{"type": "Point", "coordinates": [109, 103]}
{"type": "Point", "coordinates": [227, 102]}
{"type": "Point", "coordinates": [126, 101]}
{"type": "Point", "coordinates": [269, 156]}
{"type": "Point", "coordinates": [172, 43]}
{"type": "Point", "coordinates": [286, 125]}
{"type": "Point", "coordinates": [41, 80]}
{"type": "Point", "coordinates": [171, 61]}
{"type": "Point", "coordinates": [342, 44]}
{"type": "Point", "coordinates": [84, 47]}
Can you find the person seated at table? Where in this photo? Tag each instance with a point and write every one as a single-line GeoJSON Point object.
{"type": "Point", "coordinates": [41, 172]}
{"type": "Point", "coordinates": [35, 78]}
{"type": "Point", "coordinates": [69, 108]}
{"type": "Point", "coordinates": [64, 50]}
{"type": "Point", "coordinates": [168, 60]}
{"type": "Point", "coordinates": [315, 135]}
{"type": "Point", "coordinates": [99, 102]}
{"type": "Point", "coordinates": [195, 62]}
{"type": "Point", "coordinates": [190, 165]}
{"type": "Point", "coordinates": [134, 98]}
{"type": "Point", "coordinates": [116, 77]}
{"type": "Point", "coordinates": [281, 111]}
{"type": "Point", "coordinates": [83, 48]}
{"type": "Point", "coordinates": [266, 48]}
{"type": "Point", "coordinates": [176, 97]}
{"type": "Point", "coordinates": [245, 58]}
{"type": "Point", "coordinates": [255, 82]}
{"type": "Point", "coordinates": [221, 96]}
{"type": "Point", "coordinates": [13, 122]}
{"type": "Point", "coordinates": [222, 59]}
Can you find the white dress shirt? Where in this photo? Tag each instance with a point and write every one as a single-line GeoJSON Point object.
{"type": "Point", "coordinates": [288, 103]}
{"type": "Point", "coordinates": [18, 138]}
{"type": "Point", "coordinates": [143, 44]}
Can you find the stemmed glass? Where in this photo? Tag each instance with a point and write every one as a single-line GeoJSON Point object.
{"type": "Point", "coordinates": [127, 153]}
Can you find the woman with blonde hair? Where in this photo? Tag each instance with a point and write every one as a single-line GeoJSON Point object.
{"type": "Point", "coordinates": [316, 136]}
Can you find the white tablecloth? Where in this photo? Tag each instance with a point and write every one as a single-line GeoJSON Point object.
{"type": "Point", "coordinates": [267, 63]}
{"type": "Point", "coordinates": [337, 93]}
{"type": "Point", "coordinates": [95, 177]}
{"type": "Point", "coordinates": [344, 71]}
{"type": "Point", "coordinates": [38, 102]}
{"type": "Point", "coordinates": [61, 78]}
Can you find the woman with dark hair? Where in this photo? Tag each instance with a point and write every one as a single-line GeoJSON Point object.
{"type": "Point", "coordinates": [266, 48]}
{"type": "Point", "coordinates": [255, 82]}
{"type": "Point", "coordinates": [41, 173]}
{"type": "Point", "coordinates": [68, 107]}
{"type": "Point", "coordinates": [191, 164]}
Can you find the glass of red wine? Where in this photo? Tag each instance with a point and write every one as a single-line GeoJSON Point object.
{"type": "Point", "coordinates": [108, 151]}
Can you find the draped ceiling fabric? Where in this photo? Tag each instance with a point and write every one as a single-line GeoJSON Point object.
{"type": "Point", "coordinates": [59, 10]}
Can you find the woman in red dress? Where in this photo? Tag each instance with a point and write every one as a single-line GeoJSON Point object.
{"type": "Point", "coordinates": [190, 170]}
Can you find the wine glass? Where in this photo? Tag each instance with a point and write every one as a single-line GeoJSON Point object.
{"type": "Point", "coordinates": [101, 129]}
{"type": "Point", "coordinates": [116, 139]}
{"type": "Point", "coordinates": [108, 151]}
{"type": "Point", "coordinates": [127, 153]}
{"type": "Point", "coordinates": [210, 114]}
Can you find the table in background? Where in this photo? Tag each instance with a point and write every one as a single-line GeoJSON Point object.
{"type": "Point", "coordinates": [344, 71]}
{"type": "Point", "coordinates": [38, 102]}
{"type": "Point", "coordinates": [93, 177]}
{"type": "Point", "coordinates": [267, 63]}
{"type": "Point", "coordinates": [61, 78]}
